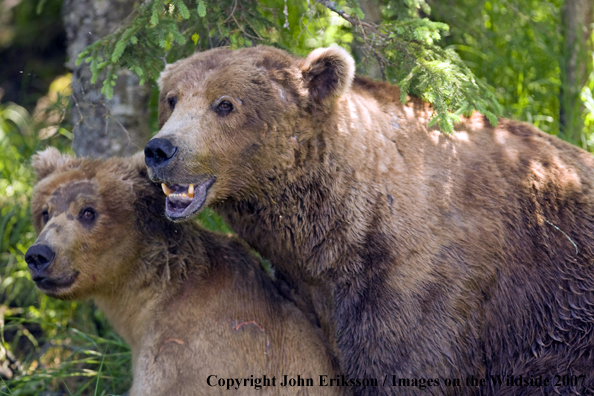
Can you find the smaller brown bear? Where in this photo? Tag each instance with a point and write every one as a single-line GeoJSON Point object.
{"type": "Point", "coordinates": [199, 313]}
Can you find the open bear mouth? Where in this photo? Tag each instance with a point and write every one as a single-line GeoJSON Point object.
{"type": "Point", "coordinates": [53, 284]}
{"type": "Point", "coordinates": [183, 200]}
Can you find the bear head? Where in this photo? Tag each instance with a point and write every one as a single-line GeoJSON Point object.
{"type": "Point", "coordinates": [232, 120]}
{"type": "Point", "coordinates": [84, 212]}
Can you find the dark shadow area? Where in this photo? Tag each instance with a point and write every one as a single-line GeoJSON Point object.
{"type": "Point", "coordinates": [32, 49]}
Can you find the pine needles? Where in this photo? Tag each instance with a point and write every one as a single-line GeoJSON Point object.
{"type": "Point", "coordinates": [404, 45]}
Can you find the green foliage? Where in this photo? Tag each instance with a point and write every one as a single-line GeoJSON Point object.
{"type": "Point", "coordinates": [167, 30]}
{"type": "Point", "coordinates": [515, 47]}
{"type": "Point", "coordinates": [410, 58]}
{"type": "Point", "coordinates": [75, 361]}
{"type": "Point", "coordinates": [518, 47]}
{"type": "Point", "coordinates": [404, 44]}
{"type": "Point", "coordinates": [160, 31]}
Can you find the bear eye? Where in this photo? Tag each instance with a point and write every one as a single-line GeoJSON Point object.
{"type": "Point", "coordinates": [224, 107]}
{"type": "Point", "coordinates": [87, 215]}
{"type": "Point", "coordinates": [172, 101]}
{"type": "Point", "coordinates": [44, 216]}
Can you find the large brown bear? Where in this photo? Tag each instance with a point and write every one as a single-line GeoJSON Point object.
{"type": "Point", "coordinates": [200, 316]}
{"type": "Point", "coordinates": [464, 258]}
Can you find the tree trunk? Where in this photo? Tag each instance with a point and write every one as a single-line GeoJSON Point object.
{"type": "Point", "coordinates": [101, 127]}
{"type": "Point", "coordinates": [577, 19]}
{"type": "Point", "coordinates": [370, 66]}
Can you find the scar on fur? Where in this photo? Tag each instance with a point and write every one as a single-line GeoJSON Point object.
{"type": "Point", "coordinates": [167, 341]}
{"type": "Point", "coordinates": [240, 325]}
{"type": "Point", "coordinates": [567, 236]}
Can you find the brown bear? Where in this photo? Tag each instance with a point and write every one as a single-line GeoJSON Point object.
{"type": "Point", "coordinates": [201, 316]}
{"type": "Point", "coordinates": [457, 264]}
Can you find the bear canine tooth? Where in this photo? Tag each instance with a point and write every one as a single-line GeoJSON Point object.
{"type": "Point", "coordinates": [166, 189]}
{"type": "Point", "coordinates": [191, 191]}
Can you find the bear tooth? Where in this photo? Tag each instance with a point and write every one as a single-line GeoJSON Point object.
{"type": "Point", "coordinates": [166, 189]}
{"type": "Point", "coordinates": [191, 191]}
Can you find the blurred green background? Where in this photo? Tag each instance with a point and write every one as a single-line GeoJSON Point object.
{"type": "Point", "coordinates": [517, 49]}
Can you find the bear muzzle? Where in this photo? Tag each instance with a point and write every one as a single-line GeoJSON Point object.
{"type": "Point", "coordinates": [39, 259]}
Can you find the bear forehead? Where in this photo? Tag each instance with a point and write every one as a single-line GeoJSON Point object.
{"type": "Point", "coordinates": [228, 78]}
{"type": "Point", "coordinates": [266, 57]}
{"type": "Point", "coordinates": [65, 194]}
{"type": "Point", "coordinates": [225, 68]}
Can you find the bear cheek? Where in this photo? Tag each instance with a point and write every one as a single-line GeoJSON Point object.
{"type": "Point", "coordinates": [80, 253]}
{"type": "Point", "coordinates": [94, 272]}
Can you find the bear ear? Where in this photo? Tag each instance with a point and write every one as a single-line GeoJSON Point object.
{"type": "Point", "coordinates": [137, 163]}
{"type": "Point", "coordinates": [166, 72]}
{"type": "Point", "coordinates": [47, 161]}
{"type": "Point", "coordinates": [163, 75]}
{"type": "Point", "coordinates": [126, 169]}
{"type": "Point", "coordinates": [136, 173]}
{"type": "Point", "coordinates": [328, 73]}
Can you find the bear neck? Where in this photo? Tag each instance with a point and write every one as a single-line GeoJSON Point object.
{"type": "Point", "coordinates": [168, 255]}
{"type": "Point", "coordinates": [329, 197]}
{"type": "Point", "coordinates": [326, 219]}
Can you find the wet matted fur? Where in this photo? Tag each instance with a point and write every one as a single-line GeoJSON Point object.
{"type": "Point", "coordinates": [425, 255]}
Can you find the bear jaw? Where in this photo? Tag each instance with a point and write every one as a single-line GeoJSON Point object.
{"type": "Point", "coordinates": [183, 201]}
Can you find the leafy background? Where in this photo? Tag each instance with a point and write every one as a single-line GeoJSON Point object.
{"type": "Point", "coordinates": [501, 57]}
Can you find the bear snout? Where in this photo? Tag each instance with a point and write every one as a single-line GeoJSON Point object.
{"type": "Point", "coordinates": [159, 152]}
{"type": "Point", "coordinates": [39, 258]}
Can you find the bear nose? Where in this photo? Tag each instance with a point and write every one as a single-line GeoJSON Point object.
{"type": "Point", "coordinates": [158, 152]}
{"type": "Point", "coordinates": [39, 257]}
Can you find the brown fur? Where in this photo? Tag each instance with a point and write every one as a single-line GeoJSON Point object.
{"type": "Point", "coordinates": [190, 303]}
{"type": "Point", "coordinates": [425, 255]}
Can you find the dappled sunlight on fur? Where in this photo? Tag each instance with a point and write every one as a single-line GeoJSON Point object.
{"type": "Point", "coordinates": [425, 255]}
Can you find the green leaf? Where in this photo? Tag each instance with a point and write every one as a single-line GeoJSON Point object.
{"type": "Point", "coordinates": [201, 9]}
{"type": "Point", "coordinates": [154, 18]}
{"type": "Point", "coordinates": [107, 90]}
{"type": "Point", "coordinates": [94, 71]}
{"type": "Point", "coordinates": [178, 37]}
{"type": "Point", "coordinates": [195, 38]}
{"type": "Point", "coordinates": [119, 50]}
{"type": "Point", "coordinates": [65, 132]}
{"type": "Point", "coordinates": [80, 58]}
{"type": "Point", "coordinates": [183, 10]}
{"type": "Point", "coordinates": [492, 118]}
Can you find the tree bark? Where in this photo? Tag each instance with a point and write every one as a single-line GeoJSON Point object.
{"type": "Point", "coordinates": [370, 66]}
{"type": "Point", "coordinates": [577, 18]}
{"type": "Point", "coordinates": [102, 127]}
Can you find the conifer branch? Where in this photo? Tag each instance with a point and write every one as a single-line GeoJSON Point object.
{"type": "Point", "coordinates": [404, 48]}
